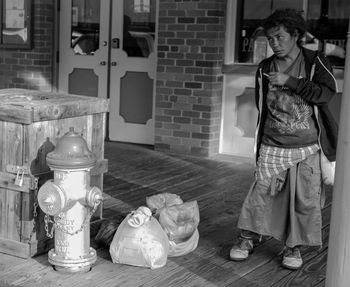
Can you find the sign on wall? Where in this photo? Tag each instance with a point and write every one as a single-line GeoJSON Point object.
{"type": "Point", "coordinates": [15, 24]}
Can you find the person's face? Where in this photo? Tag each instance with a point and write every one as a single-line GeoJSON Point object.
{"type": "Point", "coordinates": [281, 42]}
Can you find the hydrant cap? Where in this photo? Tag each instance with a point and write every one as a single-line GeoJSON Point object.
{"type": "Point", "coordinates": [71, 152]}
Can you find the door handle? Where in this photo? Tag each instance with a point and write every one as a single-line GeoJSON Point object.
{"type": "Point", "coordinates": [114, 64]}
{"type": "Point", "coordinates": [103, 63]}
{"type": "Point", "coordinates": [115, 43]}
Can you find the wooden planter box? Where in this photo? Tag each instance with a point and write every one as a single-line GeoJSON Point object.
{"type": "Point", "coordinates": [31, 122]}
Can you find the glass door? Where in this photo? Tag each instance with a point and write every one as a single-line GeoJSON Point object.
{"type": "Point", "coordinates": [83, 47]}
{"type": "Point", "coordinates": [107, 49]}
{"type": "Point", "coordinates": [133, 69]}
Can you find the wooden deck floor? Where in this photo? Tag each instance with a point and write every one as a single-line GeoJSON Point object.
{"type": "Point", "coordinates": [219, 186]}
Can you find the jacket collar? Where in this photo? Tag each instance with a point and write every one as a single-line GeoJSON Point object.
{"type": "Point", "coordinates": [309, 56]}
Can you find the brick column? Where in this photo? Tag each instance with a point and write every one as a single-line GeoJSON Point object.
{"type": "Point", "coordinates": [32, 69]}
{"type": "Point", "coordinates": [189, 78]}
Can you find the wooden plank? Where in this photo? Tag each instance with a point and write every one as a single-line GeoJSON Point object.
{"type": "Point", "coordinates": [25, 106]}
{"type": "Point", "coordinates": [61, 127]}
{"type": "Point", "coordinates": [28, 233]}
{"type": "Point", "coordinates": [2, 145]}
{"type": "Point", "coordinates": [10, 211]}
{"type": "Point", "coordinates": [11, 199]}
{"type": "Point", "coordinates": [14, 214]}
{"type": "Point", "coordinates": [14, 247]}
{"type": "Point", "coordinates": [13, 144]}
{"type": "Point", "coordinates": [3, 213]}
{"type": "Point", "coordinates": [80, 107]}
{"type": "Point", "coordinates": [32, 274]}
{"type": "Point", "coordinates": [97, 135]}
{"type": "Point", "coordinates": [97, 128]}
{"type": "Point", "coordinates": [39, 140]}
{"type": "Point", "coordinates": [16, 114]}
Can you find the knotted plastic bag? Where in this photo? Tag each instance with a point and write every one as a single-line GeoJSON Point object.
{"type": "Point", "coordinates": [327, 170]}
{"type": "Point", "coordinates": [158, 201]}
{"type": "Point", "coordinates": [140, 241]}
{"type": "Point", "coordinates": [179, 221]}
{"type": "Point", "coordinates": [185, 247]}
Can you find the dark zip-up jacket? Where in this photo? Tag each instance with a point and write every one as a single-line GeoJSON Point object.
{"type": "Point", "coordinates": [318, 88]}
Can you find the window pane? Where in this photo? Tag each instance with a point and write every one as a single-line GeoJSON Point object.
{"type": "Point", "coordinates": [253, 46]}
{"type": "Point", "coordinates": [85, 26]}
{"type": "Point", "coordinates": [139, 27]}
{"type": "Point", "coordinates": [327, 25]}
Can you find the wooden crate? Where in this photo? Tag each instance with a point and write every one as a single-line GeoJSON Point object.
{"type": "Point", "coordinates": [31, 122]}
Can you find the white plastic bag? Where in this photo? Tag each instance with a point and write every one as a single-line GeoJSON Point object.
{"type": "Point", "coordinates": [327, 170]}
{"type": "Point", "coordinates": [157, 201]}
{"type": "Point", "coordinates": [179, 221]}
{"type": "Point", "coordinates": [183, 248]}
{"type": "Point", "coordinates": [140, 241]}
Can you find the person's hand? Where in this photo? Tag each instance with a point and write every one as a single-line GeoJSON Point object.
{"type": "Point", "coordinates": [277, 78]}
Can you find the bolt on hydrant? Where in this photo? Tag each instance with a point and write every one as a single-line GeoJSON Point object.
{"type": "Point", "coordinates": [70, 200]}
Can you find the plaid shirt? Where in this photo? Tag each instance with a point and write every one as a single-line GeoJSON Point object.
{"type": "Point", "coordinates": [274, 160]}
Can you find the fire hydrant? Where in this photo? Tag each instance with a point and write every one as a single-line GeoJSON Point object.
{"type": "Point", "coordinates": [70, 200]}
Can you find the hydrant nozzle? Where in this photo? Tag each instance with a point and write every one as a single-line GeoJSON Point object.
{"type": "Point", "coordinates": [94, 196]}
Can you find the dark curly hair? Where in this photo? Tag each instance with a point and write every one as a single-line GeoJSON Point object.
{"type": "Point", "coordinates": [290, 19]}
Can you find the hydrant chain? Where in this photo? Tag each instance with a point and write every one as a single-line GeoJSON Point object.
{"type": "Point", "coordinates": [59, 226]}
{"type": "Point", "coordinates": [35, 206]}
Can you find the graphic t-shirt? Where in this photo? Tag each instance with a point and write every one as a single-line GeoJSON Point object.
{"type": "Point", "coordinates": [290, 120]}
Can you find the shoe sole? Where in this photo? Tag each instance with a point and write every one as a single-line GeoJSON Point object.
{"type": "Point", "coordinates": [241, 259]}
{"type": "Point", "coordinates": [238, 259]}
{"type": "Point", "coordinates": [292, 267]}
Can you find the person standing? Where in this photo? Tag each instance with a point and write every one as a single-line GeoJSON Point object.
{"type": "Point", "coordinates": [293, 89]}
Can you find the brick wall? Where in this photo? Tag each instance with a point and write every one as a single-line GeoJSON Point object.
{"type": "Point", "coordinates": [32, 69]}
{"type": "Point", "coordinates": [189, 79]}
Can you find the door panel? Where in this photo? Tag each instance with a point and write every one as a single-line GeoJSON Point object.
{"type": "Point", "coordinates": [133, 72]}
{"type": "Point", "coordinates": [83, 47]}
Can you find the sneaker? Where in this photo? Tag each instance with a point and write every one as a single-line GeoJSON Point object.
{"type": "Point", "coordinates": [241, 250]}
{"type": "Point", "coordinates": [292, 258]}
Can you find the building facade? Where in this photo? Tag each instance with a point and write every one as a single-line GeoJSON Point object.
{"type": "Point", "coordinates": [188, 89]}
